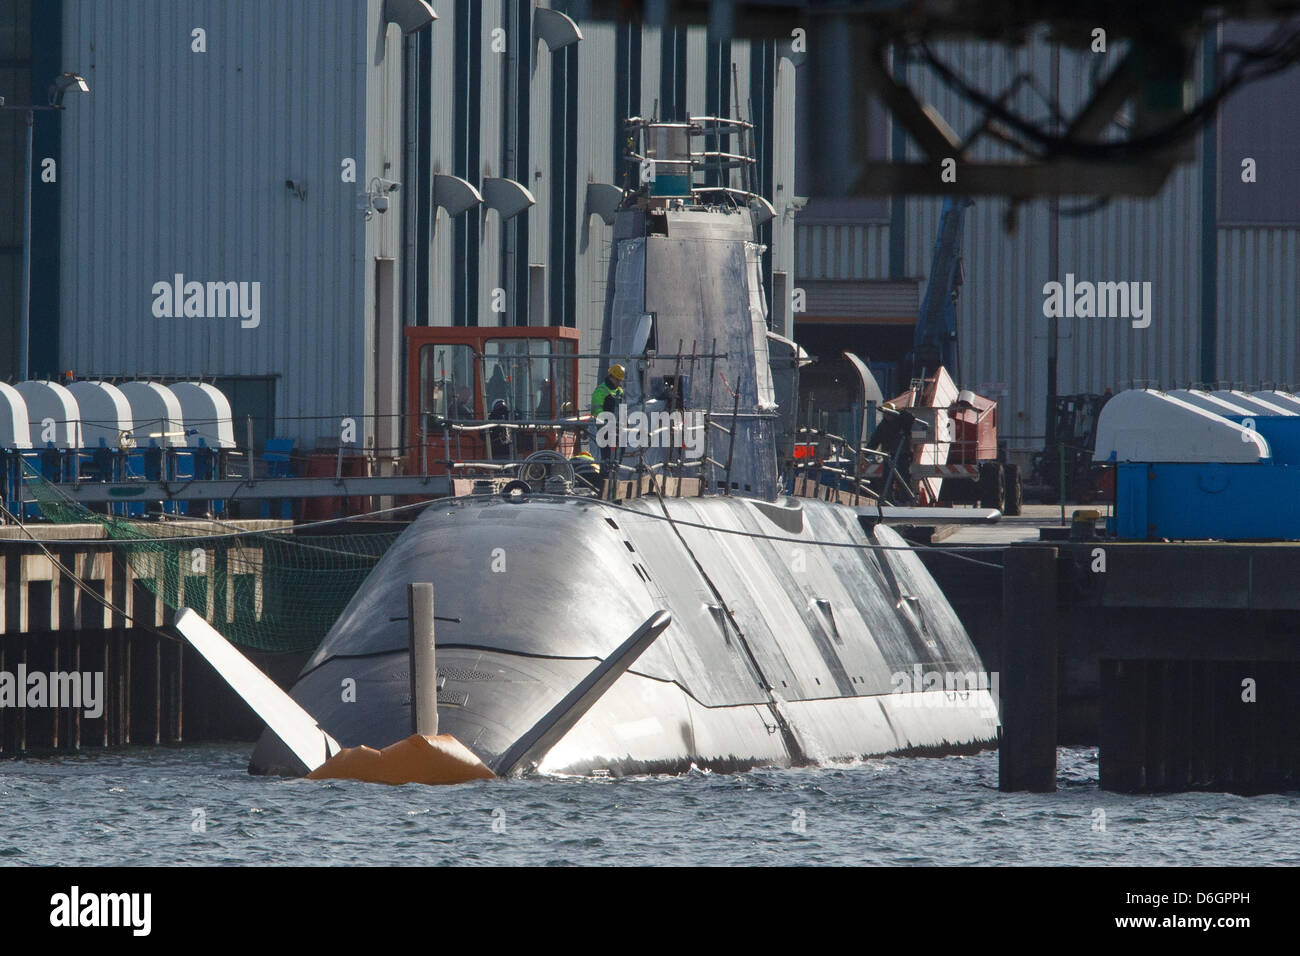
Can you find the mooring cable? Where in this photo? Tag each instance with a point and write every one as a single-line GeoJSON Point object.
{"type": "Point", "coordinates": [813, 541]}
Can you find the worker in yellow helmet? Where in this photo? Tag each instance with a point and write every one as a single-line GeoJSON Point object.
{"type": "Point", "coordinates": [606, 398]}
{"type": "Point", "coordinates": [608, 393]}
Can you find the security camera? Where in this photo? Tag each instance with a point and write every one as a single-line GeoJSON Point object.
{"type": "Point", "coordinates": [380, 203]}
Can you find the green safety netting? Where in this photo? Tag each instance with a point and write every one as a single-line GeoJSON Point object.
{"type": "Point", "coordinates": [271, 590]}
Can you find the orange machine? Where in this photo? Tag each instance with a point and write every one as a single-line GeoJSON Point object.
{"type": "Point", "coordinates": [461, 380]}
{"type": "Point", "coordinates": [955, 454]}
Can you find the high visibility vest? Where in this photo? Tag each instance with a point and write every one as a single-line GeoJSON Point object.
{"type": "Point", "coordinates": [601, 396]}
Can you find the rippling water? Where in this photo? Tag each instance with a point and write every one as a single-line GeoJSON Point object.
{"type": "Point", "coordinates": [138, 806]}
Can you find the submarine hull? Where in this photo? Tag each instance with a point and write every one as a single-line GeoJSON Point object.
{"type": "Point", "coordinates": [797, 636]}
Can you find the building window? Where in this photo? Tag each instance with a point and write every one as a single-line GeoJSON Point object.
{"type": "Point", "coordinates": [252, 398]}
{"type": "Point", "coordinates": [447, 382]}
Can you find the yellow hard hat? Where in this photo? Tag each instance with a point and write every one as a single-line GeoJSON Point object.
{"type": "Point", "coordinates": [617, 373]}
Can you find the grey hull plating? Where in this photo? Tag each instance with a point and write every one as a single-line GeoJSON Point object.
{"type": "Point", "coordinates": [782, 650]}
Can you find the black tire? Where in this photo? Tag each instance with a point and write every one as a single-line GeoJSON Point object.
{"type": "Point", "coordinates": [990, 489]}
{"type": "Point", "coordinates": [957, 491]}
{"type": "Point", "coordinates": [1013, 492]}
{"type": "Point", "coordinates": [515, 489]}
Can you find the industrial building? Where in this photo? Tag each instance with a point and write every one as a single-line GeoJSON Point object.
{"type": "Point", "coordinates": [355, 166]}
{"type": "Point", "coordinates": [492, 136]}
{"type": "Point", "coordinates": [1221, 254]}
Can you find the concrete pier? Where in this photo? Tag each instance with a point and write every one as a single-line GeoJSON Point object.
{"type": "Point", "coordinates": [1180, 661]}
{"type": "Point", "coordinates": [1027, 749]}
{"type": "Point", "coordinates": [145, 689]}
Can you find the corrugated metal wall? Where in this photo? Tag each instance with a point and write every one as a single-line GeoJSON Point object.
{"type": "Point", "coordinates": [783, 165]}
{"type": "Point", "coordinates": [180, 159]}
{"type": "Point", "coordinates": [15, 84]}
{"type": "Point", "coordinates": [492, 121]}
{"type": "Point", "coordinates": [651, 66]}
{"type": "Point", "coordinates": [596, 66]}
{"type": "Point", "coordinates": [1003, 333]}
{"type": "Point", "coordinates": [540, 131]}
{"type": "Point", "coordinates": [1258, 292]}
{"type": "Point", "coordinates": [382, 121]}
{"type": "Point", "coordinates": [597, 62]}
{"type": "Point", "coordinates": [697, 56]}
{"type": "Point", "coordinates": [442, 135]}
{"type": "Point", "coordinates": [177, 164]}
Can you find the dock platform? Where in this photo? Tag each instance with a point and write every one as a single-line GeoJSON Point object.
{"type": "Point", "coordinates": [95, 666]}
{"type": "Point", "coordinates": [1180, 661]}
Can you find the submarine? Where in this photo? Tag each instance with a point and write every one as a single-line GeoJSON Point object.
{"type": "Point", "coordinates": [801, 631]}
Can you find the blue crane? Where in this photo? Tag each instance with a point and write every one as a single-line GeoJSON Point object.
{"type": "Point", "coordinates": [935, 340]}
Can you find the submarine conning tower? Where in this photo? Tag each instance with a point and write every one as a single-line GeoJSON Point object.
{"type": "Point", "coordinates": [686, 312]}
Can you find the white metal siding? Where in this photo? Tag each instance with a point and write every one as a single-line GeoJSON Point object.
{"type": "Point", "coordinates": [596, 61]}
{"type": "Point", "coordinates": [1002, 331]}
{"type": "Point", "coordinates": [176, 163]}
{"type": "Point", "coordinates": [492, 108]}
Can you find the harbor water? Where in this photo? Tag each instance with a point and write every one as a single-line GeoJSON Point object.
{"type": "Point", "coordinates": [196, 805]}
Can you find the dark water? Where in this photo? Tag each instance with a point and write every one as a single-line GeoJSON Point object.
{"type": "Point", "coordinates": [137, 806]}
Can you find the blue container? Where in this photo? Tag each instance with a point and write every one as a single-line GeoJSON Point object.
{"type": "Point", "coordinates": [1199, 501]}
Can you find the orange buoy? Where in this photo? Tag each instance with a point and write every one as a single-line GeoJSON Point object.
{"type": "Point", "coordinates": [417, 759]}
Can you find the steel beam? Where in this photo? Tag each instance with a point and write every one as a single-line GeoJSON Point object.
{"type": "Point", "coordinates": [244, 490]}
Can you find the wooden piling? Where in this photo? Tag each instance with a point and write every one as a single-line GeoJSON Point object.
{"type": "Point", "coordinates": [157, 690]}
{"type": "Point", "coordinates": [1227, 714]}
{"type": "Point", "coordinates": [1201, 734]}
{"type": "Point", "coordinates": [1030, 633]}
{"type": "Point", "coordinates": [127, 684]}
{"type": "Point", "coordinates": [22, 711]}
{"type": "Point", "coordinates": [108, 688]}
{"type": "Point", "coordinates": [5, 746]}
{"type": "Point", "coordinates": [14, 580]}
{"type": "Point", "coordinates": [1157, 728]}
{"type": "Point", "coordinates": [1123, 727]}
{"type": "Point", "coordinates": [178, 696]}
{"type": "Point", "coordinates": [56, 711]}
{"type": "Point", "coordinates": [76, 716]}
{"type": "Point", "coordinates": [1177, 703]}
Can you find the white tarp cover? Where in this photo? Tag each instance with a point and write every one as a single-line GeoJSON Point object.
{"type": "Point", "coordinates": [1281, 399]}
{"type": "Point", "coordinates": [1218, 403]}
{"type": "Point", "coordinates": [52, 414]}
{"type": "Point", "coordinates": [1255, 405]}
{"type": "Point", "coordinates": [206, 411]}
{"type": "Point", "coordinates": [105, 413]}
{"type": "Point", "coordinates": [1149, 426]}
{"type": "Point", "coordinates": [14, 431]}
{"type": "Point", "coordinates": [156, 415]}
